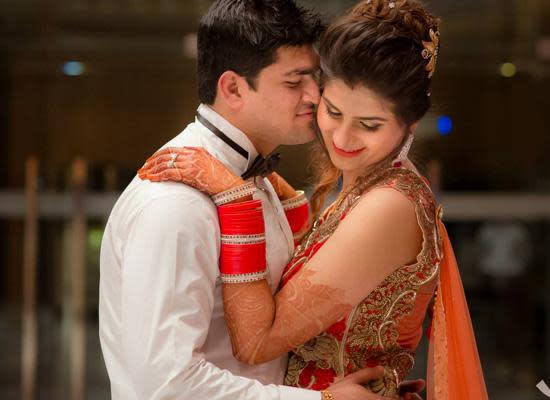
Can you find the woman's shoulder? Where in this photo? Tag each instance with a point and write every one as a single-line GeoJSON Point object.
{"type": "Point", "coordinates": [405, 180]}
{"type": "Point", "coordinates": [402, 201]}
{"type": "Point", "coordinates": [409, 184]}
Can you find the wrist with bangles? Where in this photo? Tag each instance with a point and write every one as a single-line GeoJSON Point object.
{"type": "Point", "coordinates": [297, 213]}
{"type": "Point", "coordinates": [242, 252]}
{"type": "Point", "coordinates": [241, 192]}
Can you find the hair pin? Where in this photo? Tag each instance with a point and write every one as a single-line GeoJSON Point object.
{"type": "Point", "coordinates": [431, 51]}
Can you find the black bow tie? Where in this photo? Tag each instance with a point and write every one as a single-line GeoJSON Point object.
{"type": "Point", "coordinates": [260, 167]}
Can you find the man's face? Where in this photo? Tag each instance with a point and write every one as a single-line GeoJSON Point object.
{"type": "Point", "coordinates": [281, 109]}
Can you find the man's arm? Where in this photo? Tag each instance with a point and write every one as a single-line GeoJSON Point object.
{"type": "Point", "coordinates": [169, 274]}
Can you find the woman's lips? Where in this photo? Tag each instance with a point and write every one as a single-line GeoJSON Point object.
{"type": "Point", "coordinates": [345, 153]}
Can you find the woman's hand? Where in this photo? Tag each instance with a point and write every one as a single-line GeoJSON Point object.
{"type": "Point", "coordinates": [282, 187]}
{"type": "Point", "coordinates": [193, 166]}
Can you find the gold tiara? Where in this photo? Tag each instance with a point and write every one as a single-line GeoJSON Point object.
{"type": "Point", "coordinates": [431, 51]}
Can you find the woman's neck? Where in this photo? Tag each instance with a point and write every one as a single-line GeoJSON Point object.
{"type": "Point", "coordinates": [348, 179]}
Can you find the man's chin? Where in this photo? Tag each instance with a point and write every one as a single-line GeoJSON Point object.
{"type": "Point", "coordinates": [306, 137]}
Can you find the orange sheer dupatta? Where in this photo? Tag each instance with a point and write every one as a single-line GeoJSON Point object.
{"type": "Point", "coordinates": [454, 368]}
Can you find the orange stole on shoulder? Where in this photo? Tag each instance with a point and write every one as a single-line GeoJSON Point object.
{"type": "Point", "coordinates": [454, 368]}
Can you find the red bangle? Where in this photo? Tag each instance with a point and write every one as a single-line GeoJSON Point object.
{"type": "Point", "coordinates": [243, 206]}
{"type": "Point", "coordinates": [242, 259]}
{"type": "Point", "coordinates": [241, 218]}
{"type": "Point", "coordinates": [298, 217]}
{"type": "Point", "coordinates": [242, 253]}
{"type": "Point", "coordinates": [238, 227]}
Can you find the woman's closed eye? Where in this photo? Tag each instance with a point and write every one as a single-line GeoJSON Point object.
{"type": "Point", "coordinates": [293, 84]}
{"type": "Point", "coordinates": [370, 127]}
{"type": "Point", "coordinates": [333, 113]}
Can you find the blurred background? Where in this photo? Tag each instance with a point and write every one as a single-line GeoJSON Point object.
{"type": "Point", "coordinates": [90, 88]}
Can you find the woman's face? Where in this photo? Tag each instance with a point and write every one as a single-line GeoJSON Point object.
{"type": "Point", "coordinates": [358, 127]}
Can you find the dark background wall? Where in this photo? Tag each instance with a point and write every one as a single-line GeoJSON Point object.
{"type": "Point", "coordinates": [137, 90]}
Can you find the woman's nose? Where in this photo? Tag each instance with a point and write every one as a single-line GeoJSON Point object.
{"type": "Point", "coordinates": [341, 135]}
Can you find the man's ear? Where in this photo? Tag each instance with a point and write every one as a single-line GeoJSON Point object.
{"type": "Point", "coordinates": [231, 88]}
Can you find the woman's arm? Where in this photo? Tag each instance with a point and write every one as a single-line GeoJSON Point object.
{"type": "Point", "coordinates": [377, 237]}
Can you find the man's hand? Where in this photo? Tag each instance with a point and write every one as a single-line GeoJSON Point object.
{"type": "Point", "coordinates": [351, 387]}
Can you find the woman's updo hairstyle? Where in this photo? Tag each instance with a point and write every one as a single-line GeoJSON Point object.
{"type": "Point", "coordinates": [379, 44]}
{"type": "Point", "coordinates": [390, 47]}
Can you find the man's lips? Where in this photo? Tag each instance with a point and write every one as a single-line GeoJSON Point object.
{"type": "Point", "coordinates": [306, 113]}
{"type": "Point", "coordinates": [345, 153]}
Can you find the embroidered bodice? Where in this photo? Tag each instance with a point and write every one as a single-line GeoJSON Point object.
{"type": "Point", "coordinates": [385, 328]}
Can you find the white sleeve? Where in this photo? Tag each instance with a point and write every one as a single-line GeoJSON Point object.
{"type": "Point", "coordinates": [169, 273]}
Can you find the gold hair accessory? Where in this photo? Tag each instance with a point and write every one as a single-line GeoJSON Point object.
{"type": "Point", "coordinates": [431, 51]}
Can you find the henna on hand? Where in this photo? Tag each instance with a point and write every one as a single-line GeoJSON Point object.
{"type": "Point", "coordinates": [193, 166]}
{"type": "Point", "coordinates": [263, 327]}
{"type": "Point", "coordinates": [283, 189]}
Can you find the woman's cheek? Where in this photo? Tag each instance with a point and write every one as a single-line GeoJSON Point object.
{"type": "Point", "coordinates": [324, 125]}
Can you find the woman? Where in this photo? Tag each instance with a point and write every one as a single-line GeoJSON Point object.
{"type": "Point", "coordinates": [357, 290]}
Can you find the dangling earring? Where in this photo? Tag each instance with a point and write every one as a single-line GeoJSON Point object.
{"type": "Point", "coordinates": [402, 156]}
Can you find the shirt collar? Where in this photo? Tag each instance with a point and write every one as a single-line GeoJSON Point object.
{"type": "Point", "coordinates": [238, 163]}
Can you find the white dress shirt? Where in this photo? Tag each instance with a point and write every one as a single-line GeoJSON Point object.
{"type": "Point", "coordinates": [162, 328]}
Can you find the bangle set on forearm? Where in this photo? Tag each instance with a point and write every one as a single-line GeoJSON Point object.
{"type": "Point", "coordinates": [297, 214]}
{"type": "Point", "coordinates": [227, 196]}
{"type": "Point", "coordinates": [242, 255]}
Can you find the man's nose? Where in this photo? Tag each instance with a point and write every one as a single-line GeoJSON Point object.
{"type": "Point", "coordinates": [311, 92]}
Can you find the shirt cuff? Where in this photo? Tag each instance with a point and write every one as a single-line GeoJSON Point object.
{"type": "Point", "coordinates": [292, 393]}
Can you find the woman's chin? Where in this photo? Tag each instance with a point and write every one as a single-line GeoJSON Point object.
{"type": "Point", "coordinates": [342, 164]}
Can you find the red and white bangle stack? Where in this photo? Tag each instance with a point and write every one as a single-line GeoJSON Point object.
{"type": "Point", "coordinates": [297, 214]}
{"type": "Point", "coordinates": [236, 193]}
{"type": "Point", "coordinates": [242, 257]}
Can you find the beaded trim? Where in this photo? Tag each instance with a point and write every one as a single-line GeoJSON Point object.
{"type": "Point", "coordinates": [326, 395]}
{"type": "Point", "coordinates": [244, 278]}
{"type": "Point", "coordinates": [299, 200]}
{"type": "Point", "coordinates": [243, 239]}
{"type": "Point", "coordinates": [230, 195]}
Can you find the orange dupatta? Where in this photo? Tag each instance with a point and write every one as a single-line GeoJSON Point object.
{"type": "Point", "coordinates": [454, 368]}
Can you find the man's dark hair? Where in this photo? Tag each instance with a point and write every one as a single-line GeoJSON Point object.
{"type": "Point", "coordinates": [243, 36]}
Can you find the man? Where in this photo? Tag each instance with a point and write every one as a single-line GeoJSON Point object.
{"type": "Point", "coordinates": [162, 330]}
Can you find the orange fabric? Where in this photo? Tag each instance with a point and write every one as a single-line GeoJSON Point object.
{"type": "Point", "coordinates": [454, 368]}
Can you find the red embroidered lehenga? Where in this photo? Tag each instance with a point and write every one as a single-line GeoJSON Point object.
{"type": "Point", "coordinates": [386, 327]}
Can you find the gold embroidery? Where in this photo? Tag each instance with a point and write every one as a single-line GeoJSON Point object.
{"type": "Point", "coordinates": [371, 333]}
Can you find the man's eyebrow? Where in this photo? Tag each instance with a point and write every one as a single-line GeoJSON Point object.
{"type": "Point", "coordinates": [302, 71]}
